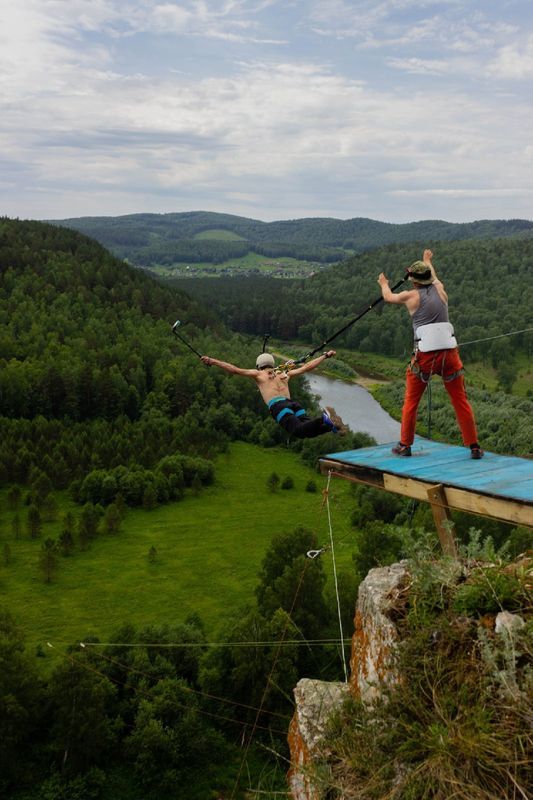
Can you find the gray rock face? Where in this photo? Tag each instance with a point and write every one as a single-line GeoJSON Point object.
{"type": "Point", "coordinates": [373, 645]}
{"type": "Point", "coordinates": [375, 634]}
{"type": "Point", "coordinates": [316, 701]}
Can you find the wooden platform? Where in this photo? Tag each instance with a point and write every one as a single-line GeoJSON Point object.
{"type": "Point", "coordinates": [445, 476]}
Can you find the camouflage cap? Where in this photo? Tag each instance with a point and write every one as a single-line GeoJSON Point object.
{"type": "Point", "coordinates": [420, 272]}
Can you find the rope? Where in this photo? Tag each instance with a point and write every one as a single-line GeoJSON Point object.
{"type": "Point", "coordinates": [78, 662]}
{"type": "Point", "coordinates": [325, 502]}
{"type": "Point", "coordinates": [255, 643]}
{"type": "Point", "coordinates": [128, 668]}
{"type": "Point", "coordinates": [269, 678]}
{"type": "Point", "coordinates": [429, 399]}
{"type": "Point", "coordinates": [336, 582]}
{"type": "Point", "coordinates": [499, 336]}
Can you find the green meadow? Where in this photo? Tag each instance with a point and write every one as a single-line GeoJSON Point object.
{"type": "Point", "coordinates": [209, 549]}
{"type": "Point", "coordinates": [219, 234]}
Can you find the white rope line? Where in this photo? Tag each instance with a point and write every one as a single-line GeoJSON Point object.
{"type": "Point", "coordinates": [499, 336]}
{"type": "Point", "coordinates": [336, 583]}
{"type": "Point", "coordinates": [284, 643]}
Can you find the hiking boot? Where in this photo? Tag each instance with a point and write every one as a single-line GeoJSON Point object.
{"type": "Point", "coordinates": [401, 449]}
{"type": "Point", "coordinates": [326, 419]}
{"type": "Point", "coordinates": [476, 452]}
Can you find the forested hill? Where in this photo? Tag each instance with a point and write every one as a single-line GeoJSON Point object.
{"type": "Point", "coordinates": [199, 236]}
{"type": "Point", "coordinates": [103, 410]}
{"type": "Point", "coordinates": [81, 332]}
{"type": "Point", "coordinates": [488, 283]}
{"type": "Point", "coordinates": [91, 377]}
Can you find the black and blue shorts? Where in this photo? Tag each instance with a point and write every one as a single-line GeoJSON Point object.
{"type": "Point", "coordinates": [292, 416]}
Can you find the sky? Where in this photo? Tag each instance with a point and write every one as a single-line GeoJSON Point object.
{"type": "Point", "coordinates": [397, 110]}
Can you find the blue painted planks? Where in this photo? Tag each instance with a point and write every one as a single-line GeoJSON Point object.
{"type": "Point", "coordinates": [435, 462]}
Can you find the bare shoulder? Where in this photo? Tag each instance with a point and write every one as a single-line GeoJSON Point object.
{"type": "Point", "coordinates": [441, 291]}
{"type": "Point", "coordinates": [407, 295]}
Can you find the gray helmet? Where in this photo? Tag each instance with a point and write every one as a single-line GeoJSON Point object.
{"type": "Point", "coordinates": [265, 360]}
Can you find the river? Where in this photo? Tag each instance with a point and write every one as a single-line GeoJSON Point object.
{"type": "Point", "coordinates": [356, 407]}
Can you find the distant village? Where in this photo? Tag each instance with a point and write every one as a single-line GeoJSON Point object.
{"type": "Point", "coordinates": [275, 269]}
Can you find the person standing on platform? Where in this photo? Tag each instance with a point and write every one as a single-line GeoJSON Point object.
{"type": "Point", "coordinates": [435, 353]}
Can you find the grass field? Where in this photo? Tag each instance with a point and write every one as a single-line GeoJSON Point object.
{"type": "Point", "coordinates": [219, 234]}
{"type": "Point", "coordinates": [209, 551]}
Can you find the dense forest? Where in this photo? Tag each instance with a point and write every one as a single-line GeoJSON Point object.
{"type": "Point", "coordinates": [488, 284]}
{"type": "Point", "coordinates": [165, 239]}
{"type": "Point", "coordinates": [91, 376]}
{"type": "Point", "coordinates": [100, 402]}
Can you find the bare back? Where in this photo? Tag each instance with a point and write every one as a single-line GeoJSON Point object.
{"type": "Point", "coordinates": [272, 384]}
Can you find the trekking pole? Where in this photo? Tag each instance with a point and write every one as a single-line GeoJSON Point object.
{"type": "Point", "coordinates": [294, 363]}
{"type": "Point", "coordinates": [185, 342]}
{"type": "Point", "coordinates": [368, 308]}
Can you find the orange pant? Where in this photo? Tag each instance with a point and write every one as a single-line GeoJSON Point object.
{"type": "Point", "coordinates": [444, 363]}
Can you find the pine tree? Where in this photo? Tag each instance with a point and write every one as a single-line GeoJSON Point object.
{"type": "Point", "coordinates": [15, 526]}
{"type": "Point", "coordinates": [48, 559]}
{"type": "Point", "coordinates": [273, 482]}
{"type": "Point", "coordinates": [34, 522]}
{"type": "Point", "coordinates": [112, 518]}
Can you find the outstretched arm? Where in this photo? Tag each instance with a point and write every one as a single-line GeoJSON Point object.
{"type": "Point", "coordinates": [312, 364]}
{"type": "Point", "coordinates": [427, 259]}
{"type": "Point", "coordinates": [388, 295]}
{"type": "Point", "coordinates": [227, 367]}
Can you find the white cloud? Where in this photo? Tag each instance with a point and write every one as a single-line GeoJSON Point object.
{"type": "Point", "coordinates": [513, 62]}
{"type": "Point", "coordinates": [169, 18]}
{"type": "Point", "coordinates": [230, 21]}
{"type": "Point", "coordinates": [275, 120]}
{"type": "Point", "coordinates": [454, 26]}
{"type": "Point", "coordinates": [382, 22]}
{"type": "Point", "coordinates": [451, 194]}
{"type": "Point", "coordinates": [419, 66]}
{"type": "Point", "coordinates": [77, 127]}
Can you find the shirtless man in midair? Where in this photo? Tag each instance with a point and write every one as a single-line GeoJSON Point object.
{"type": "Point", "coordinates": [274, 388]}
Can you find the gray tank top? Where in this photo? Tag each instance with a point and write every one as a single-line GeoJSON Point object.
{"type": "Point", "coordinates": [431, 308]}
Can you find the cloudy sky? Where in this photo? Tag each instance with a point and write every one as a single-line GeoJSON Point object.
{"type": "Point", "coordinates": [397, 110]}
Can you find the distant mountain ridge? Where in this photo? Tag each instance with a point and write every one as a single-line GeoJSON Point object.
{"type": "Point", "coordinates": [148, 239]}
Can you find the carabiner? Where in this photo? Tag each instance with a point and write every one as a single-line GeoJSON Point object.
{"type": "Point", "coordinates": [315, 553]}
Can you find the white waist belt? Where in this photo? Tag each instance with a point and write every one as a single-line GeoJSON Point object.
{"type": "Point", "coordinates": [436, 336]}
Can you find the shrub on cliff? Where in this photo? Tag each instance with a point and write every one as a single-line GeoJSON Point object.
{"type": "Point", "coordinates": [457, 723]}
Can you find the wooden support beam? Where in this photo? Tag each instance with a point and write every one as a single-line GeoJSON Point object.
{"type": "Point", "coordinates": [443, 521]}
{"type": "Point", "coordinates": [360, 475]}
{"type": "Point", "coordinates": [515, 512]}
{"type": "Point", "coordinates": [503, 508]}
